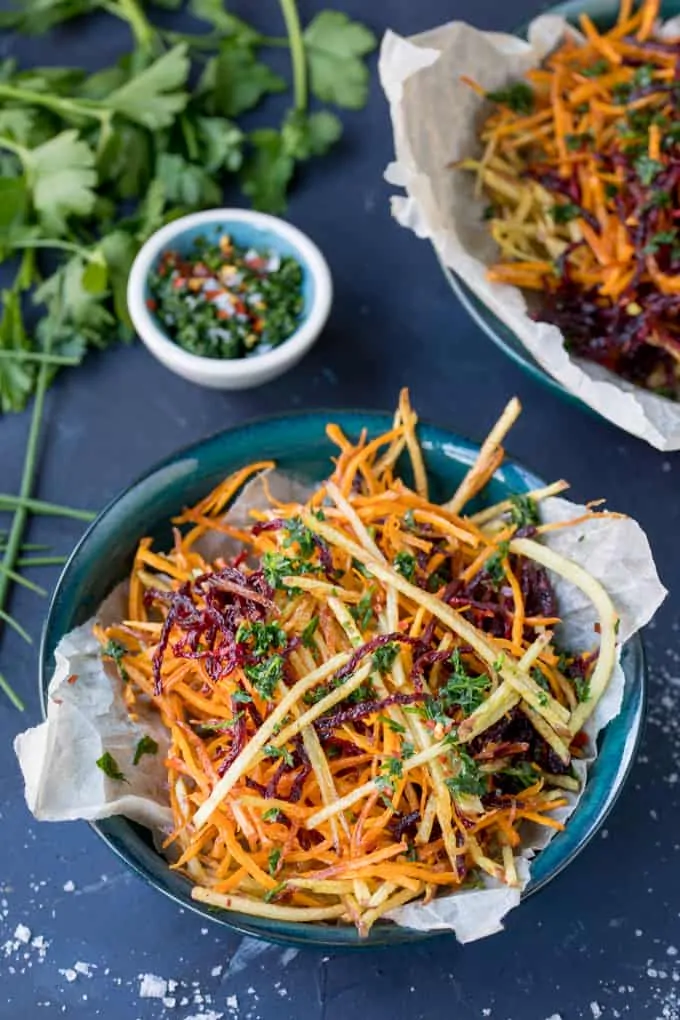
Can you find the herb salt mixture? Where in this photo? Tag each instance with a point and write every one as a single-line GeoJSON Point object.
{"type": "Point", "coordinates": [222, 300]}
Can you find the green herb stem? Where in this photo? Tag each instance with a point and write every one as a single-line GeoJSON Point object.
{"type": "Point", "coordinates": [41, 561]}
{"type": "Point", "coordinates": [23, 503]}
{"type": "Point", "coordinates": [23, 581]}
{"type": "Point", "coordinates": [9, 621]}
{"type": "Point", "coordinates": [130, 11]}
{"type": "Point", "coordinates": [11, 694]}
{"type": "Point", "coordinates": [57, 104]}
{"type": "Point", "coordinates": [54, 242]}
{"type": "Point", "coordinates": [40, 357]}
{"type": "Point", "coordinates": [297, 53]}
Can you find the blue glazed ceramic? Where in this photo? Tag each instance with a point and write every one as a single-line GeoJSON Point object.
{"type": "Point", "coordinates": [300, 447]}
{"type": "Point", "coordinates": [604, 14]}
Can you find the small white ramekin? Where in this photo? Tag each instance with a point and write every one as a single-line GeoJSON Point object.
{"type": "Point", "coordinates": [251, 229]}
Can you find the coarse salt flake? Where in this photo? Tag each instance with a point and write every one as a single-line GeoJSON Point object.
{"type": "Point", "coordinates": [22, 934]}
{"type": "Point", "coordinates": [152, 987]}
{"type": "Point", "coordinates": [596, 1010]}
{"type": "Point", "coordinates": [69, 886]}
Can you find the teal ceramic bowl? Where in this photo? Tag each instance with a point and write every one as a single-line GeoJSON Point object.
{"type": "Point", "coordinates": [300, 447]}
{"type": "Point", "coordinates": [603, 13]}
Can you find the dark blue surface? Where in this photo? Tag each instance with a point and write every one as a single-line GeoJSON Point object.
{"type": "Point", "coordinates": [600, 933]}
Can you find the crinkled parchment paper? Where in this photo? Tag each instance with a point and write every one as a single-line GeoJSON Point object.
{"type": "Point", "coordinates": [87, 717]}
{"type": "Point", "coordinates": [436, 120]}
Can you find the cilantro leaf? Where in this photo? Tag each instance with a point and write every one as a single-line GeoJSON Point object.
{"type": "Point", "coordinates": [146, 745]}
{"type": "Point", "coordinates": [186, 183]}
{"type": "Point", "coordinates": [61, 177]}
{"type": "Point", "coordinates": [224, 23]}
{"type": "Point", "coordinates": [221, 144]}
{"type": "Point", "coordinates": [109, 766]}
{"type": "Point", "coordinates": [647, 169]}
{"type": "Point", "coordinates": [335, 46]}
{"type": "Point", "coordinates": [154, 96]}
{"type": "Point", "coordinates": [310, 135]}
{"type": "Point", "coordinates": [237, 80]}
{"type": "Point", "coordinates": [519, 97]}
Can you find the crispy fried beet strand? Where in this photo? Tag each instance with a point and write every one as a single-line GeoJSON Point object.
{"type": "Point", "coordinates": [229, 597]}
{"type": "Point", "coordinates": [327, 723]}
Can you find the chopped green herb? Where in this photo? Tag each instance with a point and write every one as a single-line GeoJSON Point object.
{"type": "Point", "coordinates": [658, 200]}
{"type": "Point", "coordinates": [384, 656]}
{"type": "Point", "coordinates": [276, 566]}
{"type": "Point", "coordinates": [611, 190]}
{"type": "Point", "coordinates": [524, 772]}
{"type": "Point", "coordinates": [596, 69]}
{"type": "Point", "coordinates": [395, 727]}
{"type": "Point", "coordinates": [265, 636]}
{"type": "Point", "coordinates": [363, 611]}
{"type": "Point", "coordinates": [499, 663]}
{"type": "Point", "coordinates": [221, 725]}
{"type": "Point", "coordinates": [644, 76]}
{"type": "Point", "coordinates": [647, 169]}
{"type": "Point", "coordinates": [405, 564]}
{"type": "Point", "coordinates": [109, 766]}
{"type": "Point", "coordinates": [114, 650]}
{"type": "Point", "coordinates": [307, 636]}
{"type": "Point", "coordinates": [273, 860]}
{"type": "Point", "coordinates": [519, 97]}
{"type": "Point", "coordinates": [360, 568]}
{"type": "Point", "coordinates": [658, 240]}
{"type": "Point", "coordinates": [407, 749]}
{"type": "Point", "coordinates": [409, 520]}
{"type": "Point", "coordinates": [273, 893]}
{"type": "Point", "coordinates": [578, 141]}
{"type": "Point", "coordinates": [241, 696]}
{"type": "Point", "coordinates": [494, 564]}
{"type": "Point", "coordinates": [469, 779]}
{"type": "Point", "coordinates": [489, 212]}
{"type": "Point", "coordinates": [524, 510]}
{"type": "Point", "coordinates": [565, 212]}
{"type": "Point", "coordinates": [266, 675]}
{"type": "Point", "coordinates": [271, 815]}
{"type": "Point", "coordinates": [581, 688]}
{"type": "Point", "coordinates": [461, 688]}
{"type": "Point", "coordinates": [279, 752]}
{"type": "Point", "coordinates": [300, 534]}
{"type": "Point", "coordinates": [147, 745]}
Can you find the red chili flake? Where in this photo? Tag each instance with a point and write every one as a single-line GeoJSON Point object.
{"type": "Point", "coordinates": [72, 679]}
{"type": "Point", "coordinates": [151, 304]}
{"type": "Point", "coordinates": [179, 282]}
{"type": "Point", "coordinates": [212, 294]}
{"type": "Point", "coordinates": [222, 313]}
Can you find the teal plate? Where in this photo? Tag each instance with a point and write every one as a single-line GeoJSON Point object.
{"type": "Point", "coordinates": [299, 445]}
{"type": "Point", "coordinates": [603, 13]}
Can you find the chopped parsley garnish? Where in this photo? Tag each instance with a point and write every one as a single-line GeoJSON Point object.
{"type": "Point", "coordinates": [220, 725]}
{"type": "Point", "coordinates": [523, 511]}
{"type": "Point", "coordinates": [647, 169]}
{"type": "Point", "coordinates": [265, 675]}
{"type": "Point", "coordinates": [523, 772]}
{"type": "Point", "coordinates": [658, 240]}
{"type": "Point", "coordinates": [581, 687]}
{"type": "Point", "coordinates": [383, 657]}
{"type": "Point", "coordinates": [147, 745]}
{"type": "Point", "coordinates": [469, 779]}
{"type": "Point", "coordinates": [409, 520]}
{"type": "Point", "coordinates": [363, 611]}
{"type": "Point", "coordinates": [595, 70]}
{"type": "Point", "coordinates": [276, 566]}
{"type": "Point", "coordinates": [519, 97]}
{"type": "Point", "coordinates": [658, 200]}
{"type": "Point", "coordinates": [461, 688]}
{"type": "Point", "coordinates": [307, 636]}
{"type": "Point", "coordinates": [273, 860]}
{"type": "Point", "coordinates": [109, 766]}
{"type": "Point", "coordinates": [488, 212]}
{"type": "Point", "coordinates": [271, 815]}
{"type": "Point", "coordinates": [279, 752]}
{"type": "Point", "coordinates": [405, 564]}
{"type": "Point", "coordinates": [644, 76]}
{"type": "Point", "coordinates": [273, 893]}
{"type": "Point", "coordinates": [265, 636]}
{"type": "Point", "coordinates": [494, 564]}
{"type": "Point", "coordinates": [395, 727]}
{"type": "Point", "coordinates": [114, 650]}
{"type": "Point", "coordinates": [578, 141]}
{"type": "Point", "coordinates": [390, 770]}
{"type": "Point", "coordinates": [299, 533]}
{"type": "Point", "coordinates": [407, 749]}
{"type": "Point", "coordinates": [241, 696]}
{"type": "Point", "coordinates": [565, 212]}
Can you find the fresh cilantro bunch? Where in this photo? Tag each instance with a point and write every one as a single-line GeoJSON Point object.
{"type": "Point", "coordinates": [91, 165]}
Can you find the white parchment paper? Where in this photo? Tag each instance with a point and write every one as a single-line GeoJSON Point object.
{"type": "Point", "coordinates": [88, 717]}
{"type": "Point", "coordinates": [436, 120]}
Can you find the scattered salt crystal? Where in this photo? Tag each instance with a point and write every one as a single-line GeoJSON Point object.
{"type": "Point", "coordinates": [232, 1001]}
{"type": "Point", "coordinates": [555, 1016]}
{"type": "Point", "coordinates": [172, 985]}
{"type": "Point", "coordinates": [152, 987]}
{"type": "Point", "coordinates": [69, 886]}
{"type": "Point", "coordinates": [210, 1015]}
{"type": "Point", "coordinates": [69, 974]}
{"type": "Point", "coordinates": [170, 1002]}
{"type": "Point", "coordinates": [596, 1010]}
{"type": "Point", "coordinates": [486, 1011]}
{"type": "Point", "coordinates": [39, 943]}
{"type": "Point", "coordinates": [83, 968]}
{"type": "Point", "coordinates": [216, 971]}
{"type": "Point", "coordinates": [672, 951]}
{"type": "Point", "coordinates": [22, 933]}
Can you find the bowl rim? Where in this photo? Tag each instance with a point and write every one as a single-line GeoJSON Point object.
{"type": "Point", "coordinates": [287, 934]}
{"type": "Point", "coordinates": [237, 369]}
